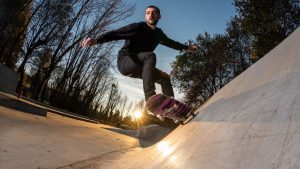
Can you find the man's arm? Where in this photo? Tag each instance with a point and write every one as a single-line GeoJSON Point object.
{"type": "Point", "coordinates": [171, 43]}
{"type": "Point", "coordinates": [122, 33]}
{"type": "Point", "coordinates": [165, 40]}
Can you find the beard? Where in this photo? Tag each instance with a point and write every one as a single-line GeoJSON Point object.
{"type": "Point", "coordinates": [152, 22]}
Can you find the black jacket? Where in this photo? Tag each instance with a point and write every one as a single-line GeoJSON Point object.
{"type": "Point", "coordinates": [139, 37]}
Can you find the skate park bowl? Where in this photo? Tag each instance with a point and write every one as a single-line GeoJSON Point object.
{"type": "Point", "coordinates": [252, 122]}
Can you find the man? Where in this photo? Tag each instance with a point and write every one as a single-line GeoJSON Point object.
{"type": "Point", "coordinates": [136, 58]}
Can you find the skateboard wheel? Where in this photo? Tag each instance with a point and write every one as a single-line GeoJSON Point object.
{"type": "Point", "coordinates": [176, 121]}
{"type": "Point", "coordinates": [189, 114]}
{"type": "Point", "coordinates": [161, 118]}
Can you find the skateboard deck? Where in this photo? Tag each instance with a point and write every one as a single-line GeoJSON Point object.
{"type": "Point", "coordinates": [167, 107]}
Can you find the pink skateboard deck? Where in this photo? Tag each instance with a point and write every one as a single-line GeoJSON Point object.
{"type": "Point", "coordinates": [168, 107]}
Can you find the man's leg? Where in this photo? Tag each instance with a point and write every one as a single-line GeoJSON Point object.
{"type": "Point", "coordinates": [142, 68]}
{"type": "Point", "coordinates": [148, 72]}
{"type": "Point", "coordinates": [128, 67]}
{"type": "Point", "coordinates": [164, 80]}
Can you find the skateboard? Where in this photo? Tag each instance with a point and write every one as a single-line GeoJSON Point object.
{"type": "Point", "coordinates": [167, 107]}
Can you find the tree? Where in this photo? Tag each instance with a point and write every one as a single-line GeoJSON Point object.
{"type": "Point", "coordinates": [199, 75]}
{"type": "Point", "coordinates": [268, 21]}
{"type": "Point", "coordinates": [14, 16]}
{"type": "Point", "coordinates": [113, 101]}
{"type": "Point", "coordinates": [258, 28]}
{"type": "Point", "coordinates": [123, 103]}
{"type": "Point", "coordinates": [240, 43]}
{"type": "Point", "coordinates": [45, 22]}
{"type": "Point", "coordinates": [79, 27]}
{"type": "Point", "coordinates": [77, 79]}
{"type": "Point", "coordinates": [40, 64]}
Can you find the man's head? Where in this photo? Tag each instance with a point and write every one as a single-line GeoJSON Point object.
{"type": "Point", "coordinates": [152, 15]}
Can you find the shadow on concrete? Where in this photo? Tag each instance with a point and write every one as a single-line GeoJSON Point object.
{"type": "Point", "coordinates": [48, 108]}
{"type": "Point", "coordinates": [147, 135]}
{"type": "Point", "coordinates": [21, 106]}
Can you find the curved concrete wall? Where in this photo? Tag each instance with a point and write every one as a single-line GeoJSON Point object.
{"type": "Point", "coordinates": [251, 123]}
{"type": "Point", "coordinates": [8, 79]}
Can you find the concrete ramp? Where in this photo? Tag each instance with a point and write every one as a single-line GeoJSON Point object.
{"type": "Point", "coordinates": [251, 123]}
{"type": "Point", "coordinates": [8, 79]}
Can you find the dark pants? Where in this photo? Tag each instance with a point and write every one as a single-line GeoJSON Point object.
{"type": "Point", "coordinates": [143, 67]}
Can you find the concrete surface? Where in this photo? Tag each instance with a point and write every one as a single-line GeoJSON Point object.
{"type": "Point", "coordinates": [29, 141]}
{"type": "Point", "coordinates": [19, 104]}
{"type": "Point", "coordinates": [147, 135]}
{"type": "Point", "coordinates": [34, 105]}
{"type": "Point", "coordinates": [251, 123]}
{"type": "Point", "coordinates": [8, 79]}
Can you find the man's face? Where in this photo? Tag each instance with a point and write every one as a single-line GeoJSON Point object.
{"type": "Point", "coordinates": [152, 16]}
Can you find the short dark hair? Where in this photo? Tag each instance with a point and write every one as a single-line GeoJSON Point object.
{"type": "Point", "coordinates": [152, 6]}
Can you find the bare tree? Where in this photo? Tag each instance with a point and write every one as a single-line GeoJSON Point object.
{"type": "Point", "coordinates": [113, 101]}
{"type": "Point", "coordinates": [110, 14]}
{"type": "Point", "coordinates": [43, 26]}
{"type": "Point", "coordinates": [14, 18]}
{"type": "Point", "coordinates": [123, 104]}
{"type": "Point", "coordinates": [78, 78]}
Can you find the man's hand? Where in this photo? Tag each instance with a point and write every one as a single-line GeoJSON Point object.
{"type": "Point", "coordinates": [192, 48]}
{"type": "Point", "coordinates": [88, 42]}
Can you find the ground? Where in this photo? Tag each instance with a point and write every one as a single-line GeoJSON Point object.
{"type": "Point", "coordinates": [55, 141]}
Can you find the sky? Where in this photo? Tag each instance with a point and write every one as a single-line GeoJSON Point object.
{"type": "Point", "coordinates": [181, 20]}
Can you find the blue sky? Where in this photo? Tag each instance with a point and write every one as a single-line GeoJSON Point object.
{"type": "Point", "coordinates": [181, 20]}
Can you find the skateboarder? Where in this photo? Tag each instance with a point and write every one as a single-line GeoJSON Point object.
{"type": "Point", "coordinates": [136, 58]}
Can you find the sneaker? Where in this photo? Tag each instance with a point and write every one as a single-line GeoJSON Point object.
{"type": "Point", "coordinates": [161, 118]}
